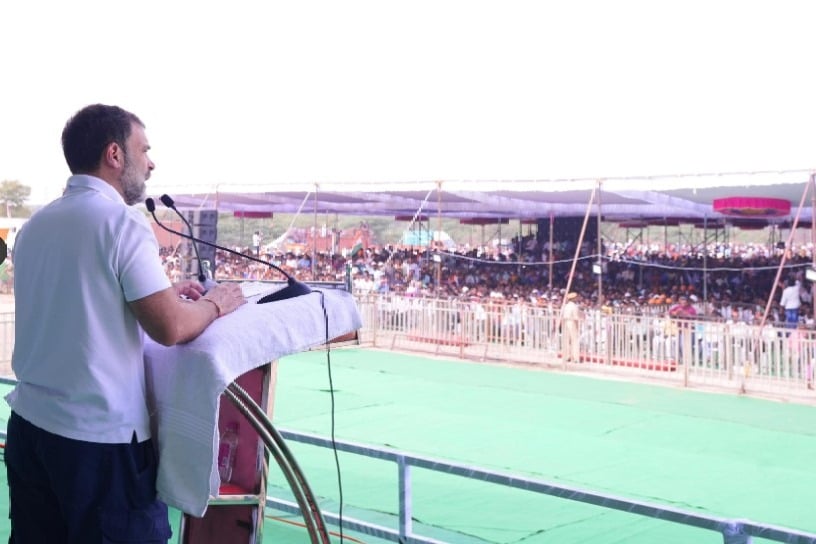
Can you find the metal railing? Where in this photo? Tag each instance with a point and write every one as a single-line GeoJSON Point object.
{"type": "Point", "coordinates": [733, 531]}
{"type": "Point", "coordinates": [737, 357]}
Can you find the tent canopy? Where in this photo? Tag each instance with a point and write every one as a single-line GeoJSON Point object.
{"type": "Point", "coordinates": [618, 199]}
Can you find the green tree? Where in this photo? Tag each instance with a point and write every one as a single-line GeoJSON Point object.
{"type": "Point", "coordinates": [13, 195]}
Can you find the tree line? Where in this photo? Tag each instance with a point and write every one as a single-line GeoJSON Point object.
{"type": "Point", "coordinates": [13, 196]}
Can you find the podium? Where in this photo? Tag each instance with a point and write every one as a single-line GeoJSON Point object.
{"type": "Point", "coordinates": [228, 374]}
{"type": "Point", "coordinates": [236, 514]}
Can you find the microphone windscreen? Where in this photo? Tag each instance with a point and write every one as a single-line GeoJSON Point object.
{"type": "Point", "coordinates": [151, 205]}
{"type": "Point", "coordinates": [167, 201]}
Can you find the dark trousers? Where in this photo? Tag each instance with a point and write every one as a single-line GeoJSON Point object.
{"type": "Point", "coordinates": [75, 492]}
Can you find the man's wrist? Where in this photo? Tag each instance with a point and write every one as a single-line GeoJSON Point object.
{"type": "Point", "coordinates": [214, 303]}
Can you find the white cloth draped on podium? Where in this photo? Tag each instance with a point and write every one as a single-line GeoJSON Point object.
{"type": "Point", "coordinates": [185, 382]}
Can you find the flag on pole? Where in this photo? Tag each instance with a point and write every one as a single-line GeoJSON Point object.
{"type": "Point", "coordinates": [358, 246]}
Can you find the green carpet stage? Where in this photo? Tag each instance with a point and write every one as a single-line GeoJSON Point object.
{"type": "Point", "coordinates": [721, 455]}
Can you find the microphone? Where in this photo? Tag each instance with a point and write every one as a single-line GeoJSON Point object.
{"type": "Point", "coordinates": [293, 289]}
{"type": "Point", "coordinates": [167, 201]}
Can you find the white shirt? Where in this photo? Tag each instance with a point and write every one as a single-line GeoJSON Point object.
{"type": "Point", "coordinates": [78, 347]}
{"type": "Point", "coordinates": [572, 312]}
{"type": "Point", "coordinates": [790, 297]}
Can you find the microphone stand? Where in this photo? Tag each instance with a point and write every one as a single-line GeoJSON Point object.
{"type": "Point", "coordinates": [201, 276]}
{"type": "Point", "coordinates": [293, 288]}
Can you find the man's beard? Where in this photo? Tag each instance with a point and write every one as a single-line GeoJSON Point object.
{"type": "Point", "coordinates": [133, 184]}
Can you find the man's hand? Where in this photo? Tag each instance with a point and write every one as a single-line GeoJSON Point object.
{"type": "Point", "coordinates": [226, 296]}
{"type": "Point", "coordinates": [189, 288]}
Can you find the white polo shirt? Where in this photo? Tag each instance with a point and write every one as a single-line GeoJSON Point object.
{"type": "Point", "coordinates": [78, 350]}
{"type": "Point", "coordinates": [790, 297]}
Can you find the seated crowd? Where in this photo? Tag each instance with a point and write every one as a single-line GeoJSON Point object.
{"type": "Point", "coordinates": [634, 279]}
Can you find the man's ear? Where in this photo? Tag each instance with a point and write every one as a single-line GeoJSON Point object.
{"type": "Point", "coordinates": [114, 156]}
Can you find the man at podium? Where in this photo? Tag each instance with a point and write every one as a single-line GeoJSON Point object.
{"type": "Point", "coordinates": [89, 283]}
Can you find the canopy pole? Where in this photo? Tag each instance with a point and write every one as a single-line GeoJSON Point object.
{"type": "Point", "coordinates": [438, 260]}
{"type": "Point", "coordinates": [325, 234]}
{"type": "Point", "coordinates": [552, 227]}
{"type": "Point", "coordinates": [335, 235]}
{"type": "Point", "coordinates": [439, 210]}
{"type": "Point", "coordinates": [813, 245]}
{"type": "Point", "coordinates": [785, 252]}
{"type": "Point", "coordinates": [500, 236]}
{"type": "Point", "coordinates": [580, 242]}
{"type": "Point", "coordinates": [292, 222]}
{"type": "Point", "coordinates": [520, 236]}
{"type": "Point", "coordinates": [705, 264]}
{"type": "Point", "coordinates": [518, 255]}
{"type": "Point", "coordinates": [574, 263]}
{"type": "Point", "coordinates": [314, 234]}
{"type": "Point", "coordinates": [600, 250]}
{"type": "Point", "coordinates": [778, 275]}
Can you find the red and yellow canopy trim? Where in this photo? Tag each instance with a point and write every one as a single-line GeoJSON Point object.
{"type": "Point", "coordinates": [746, 206]}
{"type": "Point", "coordinates": [252, 214]}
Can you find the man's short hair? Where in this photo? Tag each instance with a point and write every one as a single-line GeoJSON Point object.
{"type": "Point", "coordinates": [90, 131]}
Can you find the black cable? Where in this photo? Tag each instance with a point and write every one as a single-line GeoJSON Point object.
{"type": "Point", "coordinates": [332, 432]}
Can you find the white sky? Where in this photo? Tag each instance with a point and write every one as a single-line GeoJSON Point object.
{"type": "Point", "coordinates": [362, 90]}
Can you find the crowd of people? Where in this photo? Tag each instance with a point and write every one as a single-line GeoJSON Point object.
{"type": "Point", "coordinates": [629, 278]}
{"type": "Point", "coordinates": [643, 279]}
